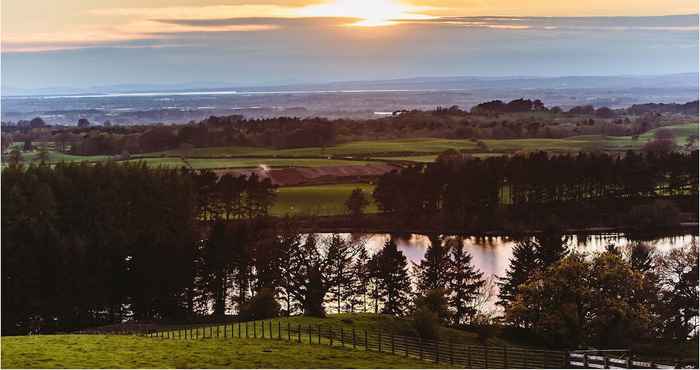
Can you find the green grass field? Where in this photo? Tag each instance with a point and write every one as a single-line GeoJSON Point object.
{"type": "Point", "coordinates": [418, 150]}
{"type": "Point", "coordinates": [216, 163]}
{"type": "Point", "coordinates": [101, 351]}
{"type": "Point", "coordinates": [319, 200]}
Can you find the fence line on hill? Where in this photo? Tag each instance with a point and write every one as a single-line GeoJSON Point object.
{"type": "Point", "coordinates": [382, 341]}
{"type": "Point", "coordinates": [444, 352]}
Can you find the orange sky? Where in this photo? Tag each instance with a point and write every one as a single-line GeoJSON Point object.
{"type": "Point", "coordinates": [28, 24]}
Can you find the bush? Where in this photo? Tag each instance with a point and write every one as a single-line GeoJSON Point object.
{"type": "Point", "coordinates": [425, 323]}
{"type": "Point", "coordinates": [262, 306]}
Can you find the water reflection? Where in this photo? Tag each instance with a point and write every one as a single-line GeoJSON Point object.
{"type": "Point", "coordinates": [491, 255]}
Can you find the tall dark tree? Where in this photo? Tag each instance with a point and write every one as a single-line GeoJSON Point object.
{"type": "Point", "coordinates": [464, 282]}
{"type": "Point", "coordinates": [521, 267]}
{"type": "Point", "coordinates": [394, 284]}
{"type": "Point", "coordinates": [339, 274]}
{"type": "Point", "coordinates": [360, 281]}
{"type": "Point", "coordinates": [432, 272]}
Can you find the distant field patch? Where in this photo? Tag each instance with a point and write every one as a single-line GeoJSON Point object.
{"type": "Point", "coordinates": [320, 200]}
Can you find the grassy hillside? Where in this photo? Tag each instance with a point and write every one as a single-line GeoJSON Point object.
{"type": "Point", "coordinates": [371, 322]}
{"type": "Point", "coordinates": [319, 200]}
{"type": "Point", "coordinates": [100, 351]}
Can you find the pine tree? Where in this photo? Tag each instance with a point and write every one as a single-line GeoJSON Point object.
{"type": "Point", "coordinates": [522, 265]}
{"type": "Point", "coordinates": [394, 285]}
{"type": "Point", "coordinates": [464, 282]}
{"type": "Point", "coordinates": [432, 272]}
{"type": "Point", "coordinates": [552, 246]}
{"type": "Point", "coordinates": [338, 275]}
{"type": "Point", "coordinates": [360, 279]}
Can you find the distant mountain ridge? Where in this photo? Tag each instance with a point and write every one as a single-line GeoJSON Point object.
{"type": "Point", "coordinates": [672, 81]}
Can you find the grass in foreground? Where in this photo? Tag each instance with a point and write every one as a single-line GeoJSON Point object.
{"type": "Point", "coordinates": [101, 351]}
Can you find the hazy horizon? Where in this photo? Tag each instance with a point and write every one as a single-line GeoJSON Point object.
{"type": "Point", "coordinates": [81, 45]}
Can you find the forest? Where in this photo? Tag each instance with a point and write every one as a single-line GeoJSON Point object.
{"type": "Point", "coordinates": [85, 245]}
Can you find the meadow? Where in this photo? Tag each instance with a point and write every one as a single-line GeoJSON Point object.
{"type": "Point", "coordinates": [319, 200]}
{"type": "Point", "coordinates": [116, 351]}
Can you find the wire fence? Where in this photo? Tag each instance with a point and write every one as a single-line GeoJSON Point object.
{"type": "Point", "coordinates": [376, 340]}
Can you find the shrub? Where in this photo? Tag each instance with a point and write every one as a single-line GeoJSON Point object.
{"type": "Point", "coordinates": [262, 306]}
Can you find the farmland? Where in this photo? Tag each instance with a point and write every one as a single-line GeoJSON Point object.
{"type": "Point", "coordinates": [318, 200]}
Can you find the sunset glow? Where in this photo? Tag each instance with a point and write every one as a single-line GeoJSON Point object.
{"type": "Point", "coordinates": [372, 13]}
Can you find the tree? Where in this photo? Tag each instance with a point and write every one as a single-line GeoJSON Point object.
{"type": "Point", "coordinates": [339, 274]}
{"type": "Point", "coordinates": [578, 300]}
{"type": "Point", "coordinates": [356, 203]}
{"type": "Point", "coordinates": [552, 245]}
{"type": "Point", "coordinates": [83, 123]}
{"type": "Point", "coordinates": [361, 279]}
{"type": "Point", "coordinates": [521, 267]}
{"type": "Point", "coordinates": [394, 285]}
{"type": "Point", "coordinates": [464, 282]}
{"type": "Point", "coordinates": [432, 272]}
{"type": "Point", "coordinates": [678, 277]}
{"type": "Point", "coordinates": [306, 276]}
{"type": "Point", "coordinates": [15, 157]}
{"type": "Point", "coordinates": [37, 122]}
{"type": "Point", "coordinates": [431, 309]}
{"type": "Point", "coordinates": [43, 155]}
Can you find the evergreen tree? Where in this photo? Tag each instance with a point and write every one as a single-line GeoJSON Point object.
{"type": "Point", "coordinates": [394, 285]}
{"type": "Point", "coordinates": [522, 265]}
{"type": "Point", "coordinates": [464, 283]}
{"type": "Point", "coordinates": [360, 281]}
{"type": "Point", "coordinates": [432, 272]}
{"type": "Point", "coordinates": [552, 245]}
{"type": "Point", "coordinates": [339, 256]}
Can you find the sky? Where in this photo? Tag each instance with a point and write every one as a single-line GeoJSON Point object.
{"type": "Point", "coordinates": [79, 43]}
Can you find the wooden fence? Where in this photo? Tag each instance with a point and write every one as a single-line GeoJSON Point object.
{"type": "Point", "coordinates": [444, 352]}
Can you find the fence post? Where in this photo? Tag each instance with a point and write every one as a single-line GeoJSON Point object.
{"type": "Point", "coordinates": [392, 344]}
{"type": "Point", "coordinates": [331, 334]}
{"type": "Point", "coordinates": [190, 333]}
{"type": "Point", "coordinates": [505, 357]}
{"type": "Point", "coordinates": [380, 341]}
{"type": "Point", "coordinates": [629, 361]}
{"type": "Point", "coordinates": [565, 363]}
{"type": "Point", "coordinates": [279, 330]}
{"type": "Point", "coordinates": [211, 331]}
{"type": "Point", "coordinates": [405, 346]}
{"type": "Point", "coordinates": [353, 337]}
{"type": "Point", "coordinates": [606, 362]}
{"type": "Point", "coordinates": [271, 329]}
{"type": "Point", "coordinates": [319, 333]}
{"type": "Point", "coordinates": [255, 329]}
{"type": "Point", "coordinates": [366, 344]}
{"type": "Point", "coordinates": [420, 347]}
{"type": "Point", "coordinates": [342, 338]}
{"type": "Point", "coordinates": [289, 331]}
{"type": "Point", "coordinates": [299, 334]}
{"type": "Point", "coordinates": [652, 365]}
{"type": "Point", "coordinates": [246, 329]}
{"type": "Point", "coordinates": [452, 360]}
{"type": "Point", "coordinates": [437, 351]}
{"type": "Point", "coordinates": [217, 331]}
{"type": "Point", "coordinates": [486, 357]}
{"type": "Point", "coordinates": [310, 334]}
{"type": "Point", "coordinates": [469, 357]}
{"type": "Point", "coordinates": [585, 360]}
{"type": "Point", "coordinates": [262, 329]}
{"type": "Point", "coordinates": [239, 329]}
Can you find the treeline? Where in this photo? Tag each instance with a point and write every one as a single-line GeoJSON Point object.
{"type": "Point", "coordinates": [461, 190]}
{"type": "Point", "coordinates": [91, 245]}
{"type": "Point", "coordinates": [520, 118]}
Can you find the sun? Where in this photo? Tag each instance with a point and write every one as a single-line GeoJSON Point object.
{"type": "Point", "coordinates": [372, 13]}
